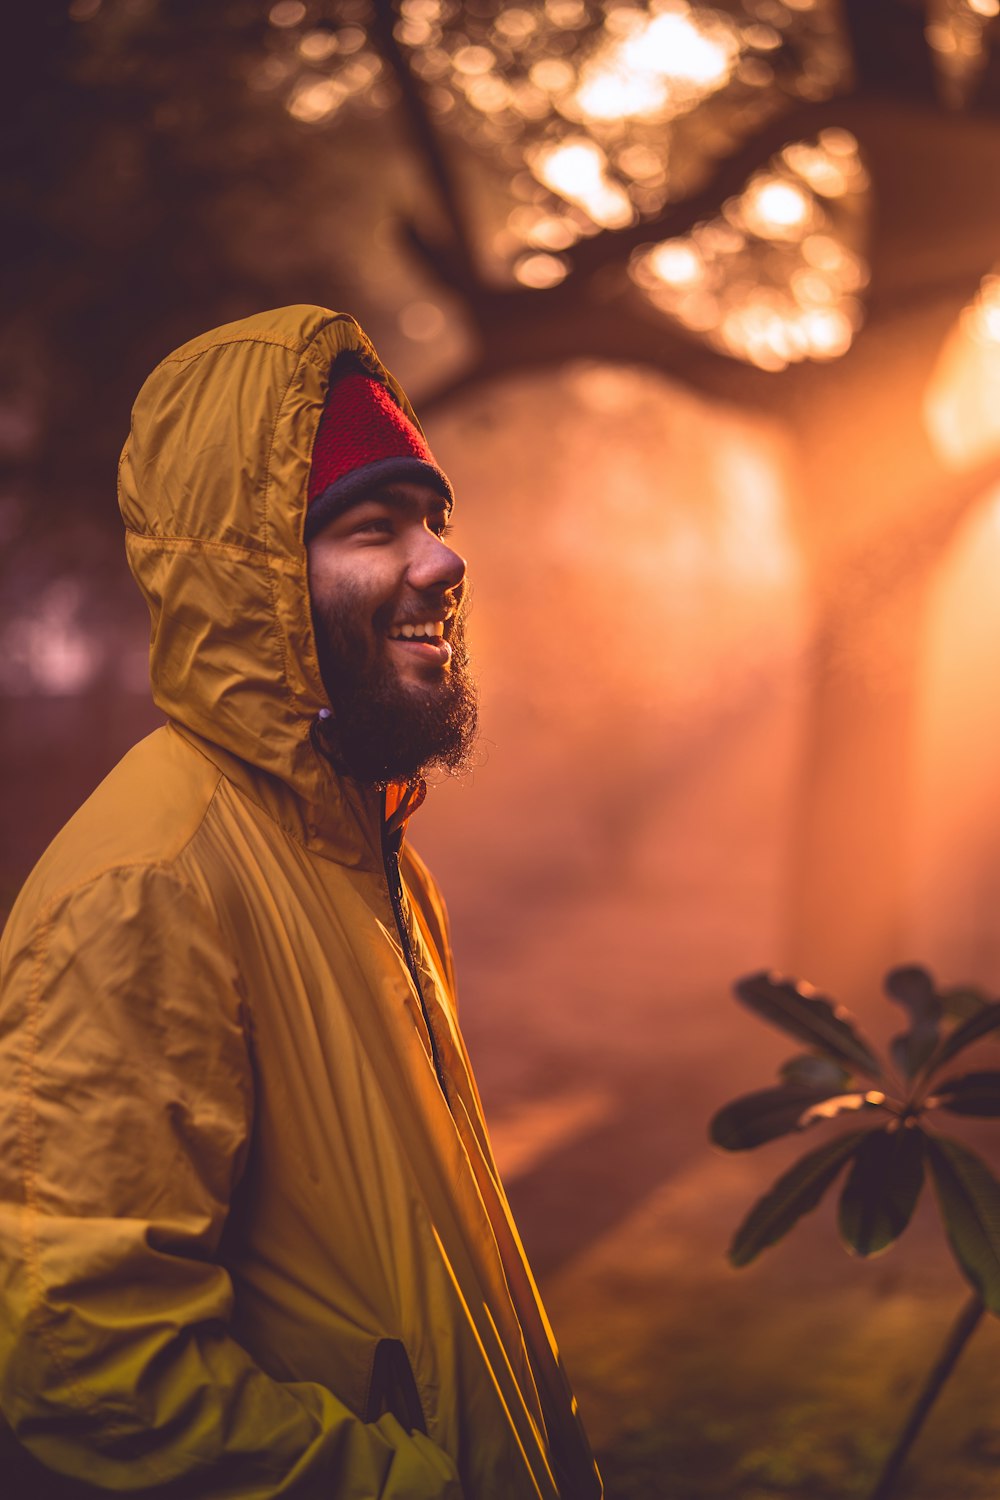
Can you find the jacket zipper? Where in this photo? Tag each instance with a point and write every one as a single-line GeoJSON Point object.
{"type": "Point", "coordinates": [390, 861]}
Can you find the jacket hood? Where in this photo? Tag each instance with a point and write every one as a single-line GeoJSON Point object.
{"type": "Point", "coordinates": [212, 487]}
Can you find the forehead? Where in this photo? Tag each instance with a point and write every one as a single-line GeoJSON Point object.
{"type": "Point", "coordinates": [404, 495]}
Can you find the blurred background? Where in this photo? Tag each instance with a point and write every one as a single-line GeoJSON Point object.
{"type": "Point", "coordinates": [699, 309]}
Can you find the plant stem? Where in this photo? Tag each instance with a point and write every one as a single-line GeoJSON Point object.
{"type": "Point", "coordinates": [964, 1327]}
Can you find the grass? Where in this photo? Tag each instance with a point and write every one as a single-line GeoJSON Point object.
{"type": "Point", "coordinates": [789, 1381]}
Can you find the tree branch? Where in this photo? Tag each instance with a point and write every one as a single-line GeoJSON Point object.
{"type": "Point", "coordinates": [460, 258]}
{"type": "Point", "coordinates": [611, 247]}
{"type": "Point", "coordinates": [891, 55]}
{"type": "Point", "coordinates": [524, 330]}
{"type": "Point", "coordinates": [730, 178]}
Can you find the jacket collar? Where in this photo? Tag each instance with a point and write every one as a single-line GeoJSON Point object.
{"type": "Point", "coordinates": [351, 826]}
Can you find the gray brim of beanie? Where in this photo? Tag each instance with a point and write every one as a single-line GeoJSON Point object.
{"type": "Point", "coordinates": [353, 487]}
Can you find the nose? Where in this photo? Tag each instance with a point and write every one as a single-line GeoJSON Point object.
{"type": "Point", "coordinates": [434, 565]}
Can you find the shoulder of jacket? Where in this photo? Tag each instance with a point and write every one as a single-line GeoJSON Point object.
{"type": "Point", "coordinates": [138, 821]}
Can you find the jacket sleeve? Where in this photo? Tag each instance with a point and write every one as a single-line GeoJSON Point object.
{"type": "Point", "coordinates": [125, 1115]}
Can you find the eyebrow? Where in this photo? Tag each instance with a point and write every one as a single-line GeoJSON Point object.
{"type": "Point", "coordinates": [396, 495]}
{"type": "Point", "coordinates": [392, 495]}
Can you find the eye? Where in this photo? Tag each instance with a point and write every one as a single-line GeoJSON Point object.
{"type": "Point", "coordinates": [375, 526]}
{"type": "Point", "coordinates": [441, 527]}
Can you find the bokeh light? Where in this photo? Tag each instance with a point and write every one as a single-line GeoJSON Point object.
{"type": "Point", "coordinates": [540, 270]}
{"type": "Point", "coordinates": [582, 117]}
{"type": "Point", "coordinates": [286, 13]}
{"type": "Point", "coordinates": [962, 403]}
{"type": "Point", "coordinates": [959, 36]}
{"type": "Point", "coordinates": [653, 66]}
{"type": "Point", "coordinates": [577, 170]}
{"type": "Point", "coordinates": [775, 278]}
{"type": "Point", "coordinates": [422, 321]}
{"type": "Point", "coordinates": [47, 649]}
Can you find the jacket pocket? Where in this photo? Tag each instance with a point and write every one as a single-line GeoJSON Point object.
{"type": "Point", "coordinates": [392, 1388]}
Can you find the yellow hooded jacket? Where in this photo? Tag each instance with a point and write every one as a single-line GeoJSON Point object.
{"type": "Point", "coordinates": [249, 1246]}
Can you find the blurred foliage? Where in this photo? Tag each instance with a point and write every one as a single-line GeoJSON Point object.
{"type": "Point", "coordinates": [119, 167]}
{"type": "Point", "coordinates": [168, 165]}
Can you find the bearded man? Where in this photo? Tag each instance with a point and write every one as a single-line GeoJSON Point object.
{"type": "Point", "coordinates": [252, 1238]}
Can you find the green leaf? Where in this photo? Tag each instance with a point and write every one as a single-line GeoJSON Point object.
{"type": "Point", "coordinates": [881, 1190]}
{"type": "Point", "coordinates": [795, 1193]}
{"type": "Point", "coordinates": [970, 1094]}
{"type": "Point", "coordinates": [969, 1198]}
{"type": "Point", "coordinates": [978, 1025]}
{"type": "Point", "coordinates": [963, 1000]}
{"type": "Point", "coordinates": [815, 1072]}
{"type": "Point", "coordinates": [763, 1116]}
{"type": "Point", "coordinates": [912, 987]}
{"type": "Point", "coordinates": [800, 1010]}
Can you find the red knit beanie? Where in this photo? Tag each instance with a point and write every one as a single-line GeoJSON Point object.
{"type": "Point", "coordinates": [364, 440]}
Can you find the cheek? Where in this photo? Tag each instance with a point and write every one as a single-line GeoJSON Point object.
{"type": "Point", "coordinates": [326, 587]}
{"type": "Point", "coordinates": [363, 587]}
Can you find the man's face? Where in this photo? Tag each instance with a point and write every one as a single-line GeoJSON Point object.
{"type": "Point", "coordinates": [387, 594]}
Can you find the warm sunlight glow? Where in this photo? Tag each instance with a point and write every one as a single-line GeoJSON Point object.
{"type": "Point", "coordinates": [473, 60]}
{"type": "Point", "coordinates": [613, 94]}
{"type": "Point", "coordinates": [47, 649]}
{"type": "Point", "coordinates": [542, 231]}
{"type": "Point", "coordinates": [652, 67]}
{"type": "Point", "coordinates": [576, 110]}
{"type": "Point", "coordinates": [315, 100]}
{"type": "Point", "coordinates": [828, 332]}
{"type": "Point", "coordinates": [776, 208]}
{"type": "Point", "coordinates": [539, 270]}
{"type": "Point", "coordinates": [516, 23]}
{"type": "Point", "coordinates": [553, 74]}
{"type": "Point", "coordinates": [772, 333]}
{"type": "Point", "coordinates": [952, 839]}
{"type": "Point", "coordinates": [577, 170]}
{"type": "Point", "coordinates": [317, 46]}
{"type": "Point", "coordinates": [956, 33]}
{"type": "Point", "coordinates": [422, 321]}
{"type": "Point", "coordinates": [771, 281]}
{"type": "Point", "coordinates": [962, 405]}
{"type": "Point", "coordinates": [683, 48]}
{"type": "Point", "coordinates": [983, 317]}
{"type": "Point", "coordinates": [286, 13]}
{"type": "Point", "coordinates": [677, 263]}
{"type": "Point", "coordinates": [828, 171]}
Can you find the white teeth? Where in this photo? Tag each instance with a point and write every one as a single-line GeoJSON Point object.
{"type": "Point", "coordinates": [431, 629]}
{"type": "Point", "coordinates": [426, 629]}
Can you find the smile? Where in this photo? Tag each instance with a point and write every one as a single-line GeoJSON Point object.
{"type": "Point", "coordinates": [422, 641]}
{"type": "Point", "coordinates": [430, 651]}
{"type": "Point", "coordinates": [424, 630]}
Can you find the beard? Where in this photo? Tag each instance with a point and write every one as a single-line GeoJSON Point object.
{"type": "Point", "coordinates": [381, 728]}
